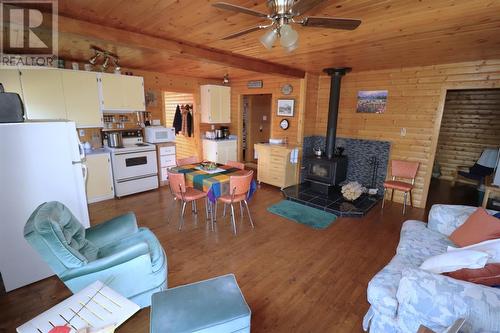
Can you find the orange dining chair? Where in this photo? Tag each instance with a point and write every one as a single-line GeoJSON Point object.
{"type": "Point", "coordinates": [235, 164]}
{"type": "Point", "coordinates": [187, 160]}
{"type": "Point", "coordinates": [401, 169]}
{"type": "Point", "coordinates": [239, 187]}
{"type": "Point", "coordinates": [177, 184]}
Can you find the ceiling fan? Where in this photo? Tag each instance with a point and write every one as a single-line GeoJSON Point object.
{"type": "Point", "coordinates": [283, 13]}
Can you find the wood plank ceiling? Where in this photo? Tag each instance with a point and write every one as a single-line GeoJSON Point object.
{"type": "Point", "coordinates": [393, 34]}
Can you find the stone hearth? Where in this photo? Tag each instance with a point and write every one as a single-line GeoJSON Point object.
{"type": "Point", "coordinates": [333, 203]}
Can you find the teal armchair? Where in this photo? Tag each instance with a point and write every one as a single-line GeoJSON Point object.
{"type": "Point", "coordinates": [131, 258]}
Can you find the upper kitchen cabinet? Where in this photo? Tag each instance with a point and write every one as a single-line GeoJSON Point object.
{"type": "Point", "coordinates": [81, 98]}
{"type": "Point", "coordinates": [122, 93]}
{"type": "Point", "coordinates": [215, 104]}
{"type": "Point", "coordinates": [43, 93]}
{"type": "Point", "coordinates": [11, 81]}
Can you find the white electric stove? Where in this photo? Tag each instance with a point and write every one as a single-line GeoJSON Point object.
{"type": "Point", "coordinates": [135, 167]}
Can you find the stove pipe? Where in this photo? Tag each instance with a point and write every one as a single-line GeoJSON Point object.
{"type": "Point", "coordinates": [333, 107]}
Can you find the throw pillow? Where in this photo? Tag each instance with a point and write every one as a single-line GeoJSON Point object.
{"type": "Point", "coordinates": [489, 275]}
{"type": "Point", "coordinates": [480, 226]}
{"type": "Point", "coordinates": [492, 247]}
{"type": "Point", "coordinates": [497, 215]}
{"type": "Point", "coordinates": [455, 260]}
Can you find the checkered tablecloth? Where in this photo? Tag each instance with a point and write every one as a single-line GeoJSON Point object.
{"type": "Point", "coordinates": [215, 184]}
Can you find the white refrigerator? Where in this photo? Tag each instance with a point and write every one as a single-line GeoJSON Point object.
{"type": "Point", "coordinates": [39, 162]}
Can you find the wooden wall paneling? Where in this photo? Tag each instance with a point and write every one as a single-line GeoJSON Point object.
{"type": "Point", "coordinates": [185, 146]}
{"type": "Point", "coordinates": [470, 123]}
{"type": "Point", "coordinates": [415, 101]}
{"type": "Point", "coordinates": [311, 104]}
{"type": "Point", "coordinates": [271, 85]}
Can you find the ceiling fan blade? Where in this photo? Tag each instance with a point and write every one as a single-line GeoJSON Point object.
{"type": "Point", "coordinates": [331, 22]}
{"type": "Point", "coordinates": [302, 6]}
{"type": "Point", "coordinates": [243, 32]}
{"type": "Point", "coordinates": [238, 9]}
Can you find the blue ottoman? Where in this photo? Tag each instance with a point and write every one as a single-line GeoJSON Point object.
{"type": "Point", "coordinates": [214, 305]}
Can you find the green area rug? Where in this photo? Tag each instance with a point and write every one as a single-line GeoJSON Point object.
{"type": "Point", "coordinates": [312, 217]}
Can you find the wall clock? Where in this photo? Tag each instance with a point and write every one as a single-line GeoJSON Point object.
{"type": "Point", "coordinates": [286, 89]}
{"type": "Point", "coordinates": [284, 124]}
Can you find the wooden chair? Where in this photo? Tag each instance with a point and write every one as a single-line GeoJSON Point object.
{"type": "Point", "coordinates": [187, 160]}
{"type": "Point", "coordinates": [239, 187]}
{"type": "Point", "coordinates": [237, 165]}
{"type": "Point", "coordinates": [179, 190]}
{"type": "Point", "coordinates": [401, 169]}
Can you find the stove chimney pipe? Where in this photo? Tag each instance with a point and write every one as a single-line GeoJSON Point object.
{"type": "Point", "coordinates": [333, 107]}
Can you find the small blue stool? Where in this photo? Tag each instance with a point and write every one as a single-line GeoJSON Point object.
{"type": "Point", "coordinates": [213, 305]}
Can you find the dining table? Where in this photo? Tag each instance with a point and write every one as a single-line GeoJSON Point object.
{"type": "Point", "coordinates": [213, 182]}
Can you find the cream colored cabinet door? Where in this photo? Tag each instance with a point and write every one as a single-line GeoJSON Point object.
{"type": "Point", "coordinates": [112, 95]}
{"type": "Point", "coordinates": [210, 150]}
{"type": "Point", "coordinates": [215, 104]}
{"type": "Point", "coordinates": [226, 151]}
{"type": "Point", "coordinates": [133, 86]}
{"type": "Point", "coordinates": [81, 98]}
{"type": "Point", "coordinates": [100, 178]}
{"type": "Point", "coordinates": [11, 81]}
{"type": "Point", "coordinates": [43, 94]}
{"type": "Point", "coordinates": [225, 105]}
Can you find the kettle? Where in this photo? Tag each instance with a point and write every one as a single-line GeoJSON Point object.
{"type": "Point", "coordinates": [317, 151]}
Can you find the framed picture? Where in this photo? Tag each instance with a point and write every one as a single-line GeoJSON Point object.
{"type": "Point", "coordinates": [285, 107]}
{"type": "Point", "coordinates": [373, 101]}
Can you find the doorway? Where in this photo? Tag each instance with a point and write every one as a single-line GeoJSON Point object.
{"type": "Point", "coordinates": [185, 143]}
{"type": "Point", "coordinates": [256, 123]}
{"type": "Point", "coordinates": [470, 126]}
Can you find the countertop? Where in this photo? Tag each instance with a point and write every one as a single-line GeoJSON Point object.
{"type": "Point", "coordinates": [285, 146]}
{"type": "Point", "coordinates": [98, 151]}
{"type": "Point", "coordinates": [220, 140]}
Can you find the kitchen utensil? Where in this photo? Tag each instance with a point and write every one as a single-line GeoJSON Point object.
{"type": "Point", "coordinates": [115, 139]}
{"type": "Point", "coordinates": [218, 134]}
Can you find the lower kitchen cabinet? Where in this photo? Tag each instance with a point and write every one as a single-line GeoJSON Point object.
{"type": "Point", "coordinates": [274, 165]}
{"type": "Point", "coordinates": [166, 160]}
{"type": "Point", "coordinates": [220, 151]}
{"type": "Point", "coordinates": [99, 178]}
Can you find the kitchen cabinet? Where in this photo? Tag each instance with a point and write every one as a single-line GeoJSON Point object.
{"type": "Point", "coordinates": [166, 160]}
{"type": "Point", "coordinates": [81, 98]}
{"type": "Point", "coordinates": [220, 151]}
{"type": "Point", "coordinates": [215, 104]}
{"type": "Point", "coordinates": [99, 178]}
{"type": "Point", "coordinates": [11, 80]}
{"type": "Point", "coordinates": [43, 93]}
{"type": "Point", "coordinates": [121, 93]}
{"type": "Point", "coordinates": [274, 166]}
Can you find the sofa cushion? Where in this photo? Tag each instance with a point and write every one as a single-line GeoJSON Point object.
{"type": "Point", "coordinates": [419, 242]}
{"type": "Point", "coordinates": [478, 227]}
{"type": "Point", "coordinates": [489, 275]}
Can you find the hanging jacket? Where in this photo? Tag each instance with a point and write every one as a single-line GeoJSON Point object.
{"type": "Point", "coordinates": [177, 124]}
{"type": "Point", "coordinates": [189, 120]}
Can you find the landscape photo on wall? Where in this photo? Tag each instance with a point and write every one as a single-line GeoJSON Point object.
{"type": "Point", "coordinates": [372, 101]}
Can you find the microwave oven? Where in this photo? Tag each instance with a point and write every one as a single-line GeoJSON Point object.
{"type": "Point", "coordinates": [159, 134]}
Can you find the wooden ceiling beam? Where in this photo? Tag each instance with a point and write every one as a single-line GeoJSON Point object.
{"type": "Point", "coordinates": [97, 32]}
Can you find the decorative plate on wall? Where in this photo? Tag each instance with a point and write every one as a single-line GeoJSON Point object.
{"type": "Point", "coordinates": [286, 89]}
{"type": "Point", "coordinates": [284, 124]}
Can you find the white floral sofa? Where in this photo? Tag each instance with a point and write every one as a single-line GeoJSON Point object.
{"type": "Point", "coordinates": [402, 296]}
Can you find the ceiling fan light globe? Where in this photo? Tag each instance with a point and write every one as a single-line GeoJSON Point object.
{"type": "Point", "coordinates": [289, 36]}
{"type": "Point", "coordinates": [292, 47]}
{"type": "Point", "coordinates": [269, 38]}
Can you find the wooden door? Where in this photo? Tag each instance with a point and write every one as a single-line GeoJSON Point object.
{"type": "Point", "coordinates": [43, 93]}
{"type": "Point", "coordinates": [258, 122]}
{"type": "Point", "coordinates": [81, 98]}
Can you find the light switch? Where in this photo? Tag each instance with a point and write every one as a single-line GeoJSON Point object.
{"type": "Point", "coordinates": [264, 118]}
{"type": "Point", "coordinates": [156, 122]}
{"type": "Point", "coordinates": [81, 132]}
{"type": "Point", "coordinates": [403, 131]}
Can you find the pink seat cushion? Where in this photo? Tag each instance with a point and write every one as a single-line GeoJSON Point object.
{"type": "Point", "coordinates": [237, 198]}
{"type": "Point", "coordinates": [397, 185]}
{"type": "Point", "coordinates": [191, 194]}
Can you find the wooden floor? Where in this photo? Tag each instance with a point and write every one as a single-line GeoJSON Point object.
{"type": "Point", "coordinates": [294, 278]}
